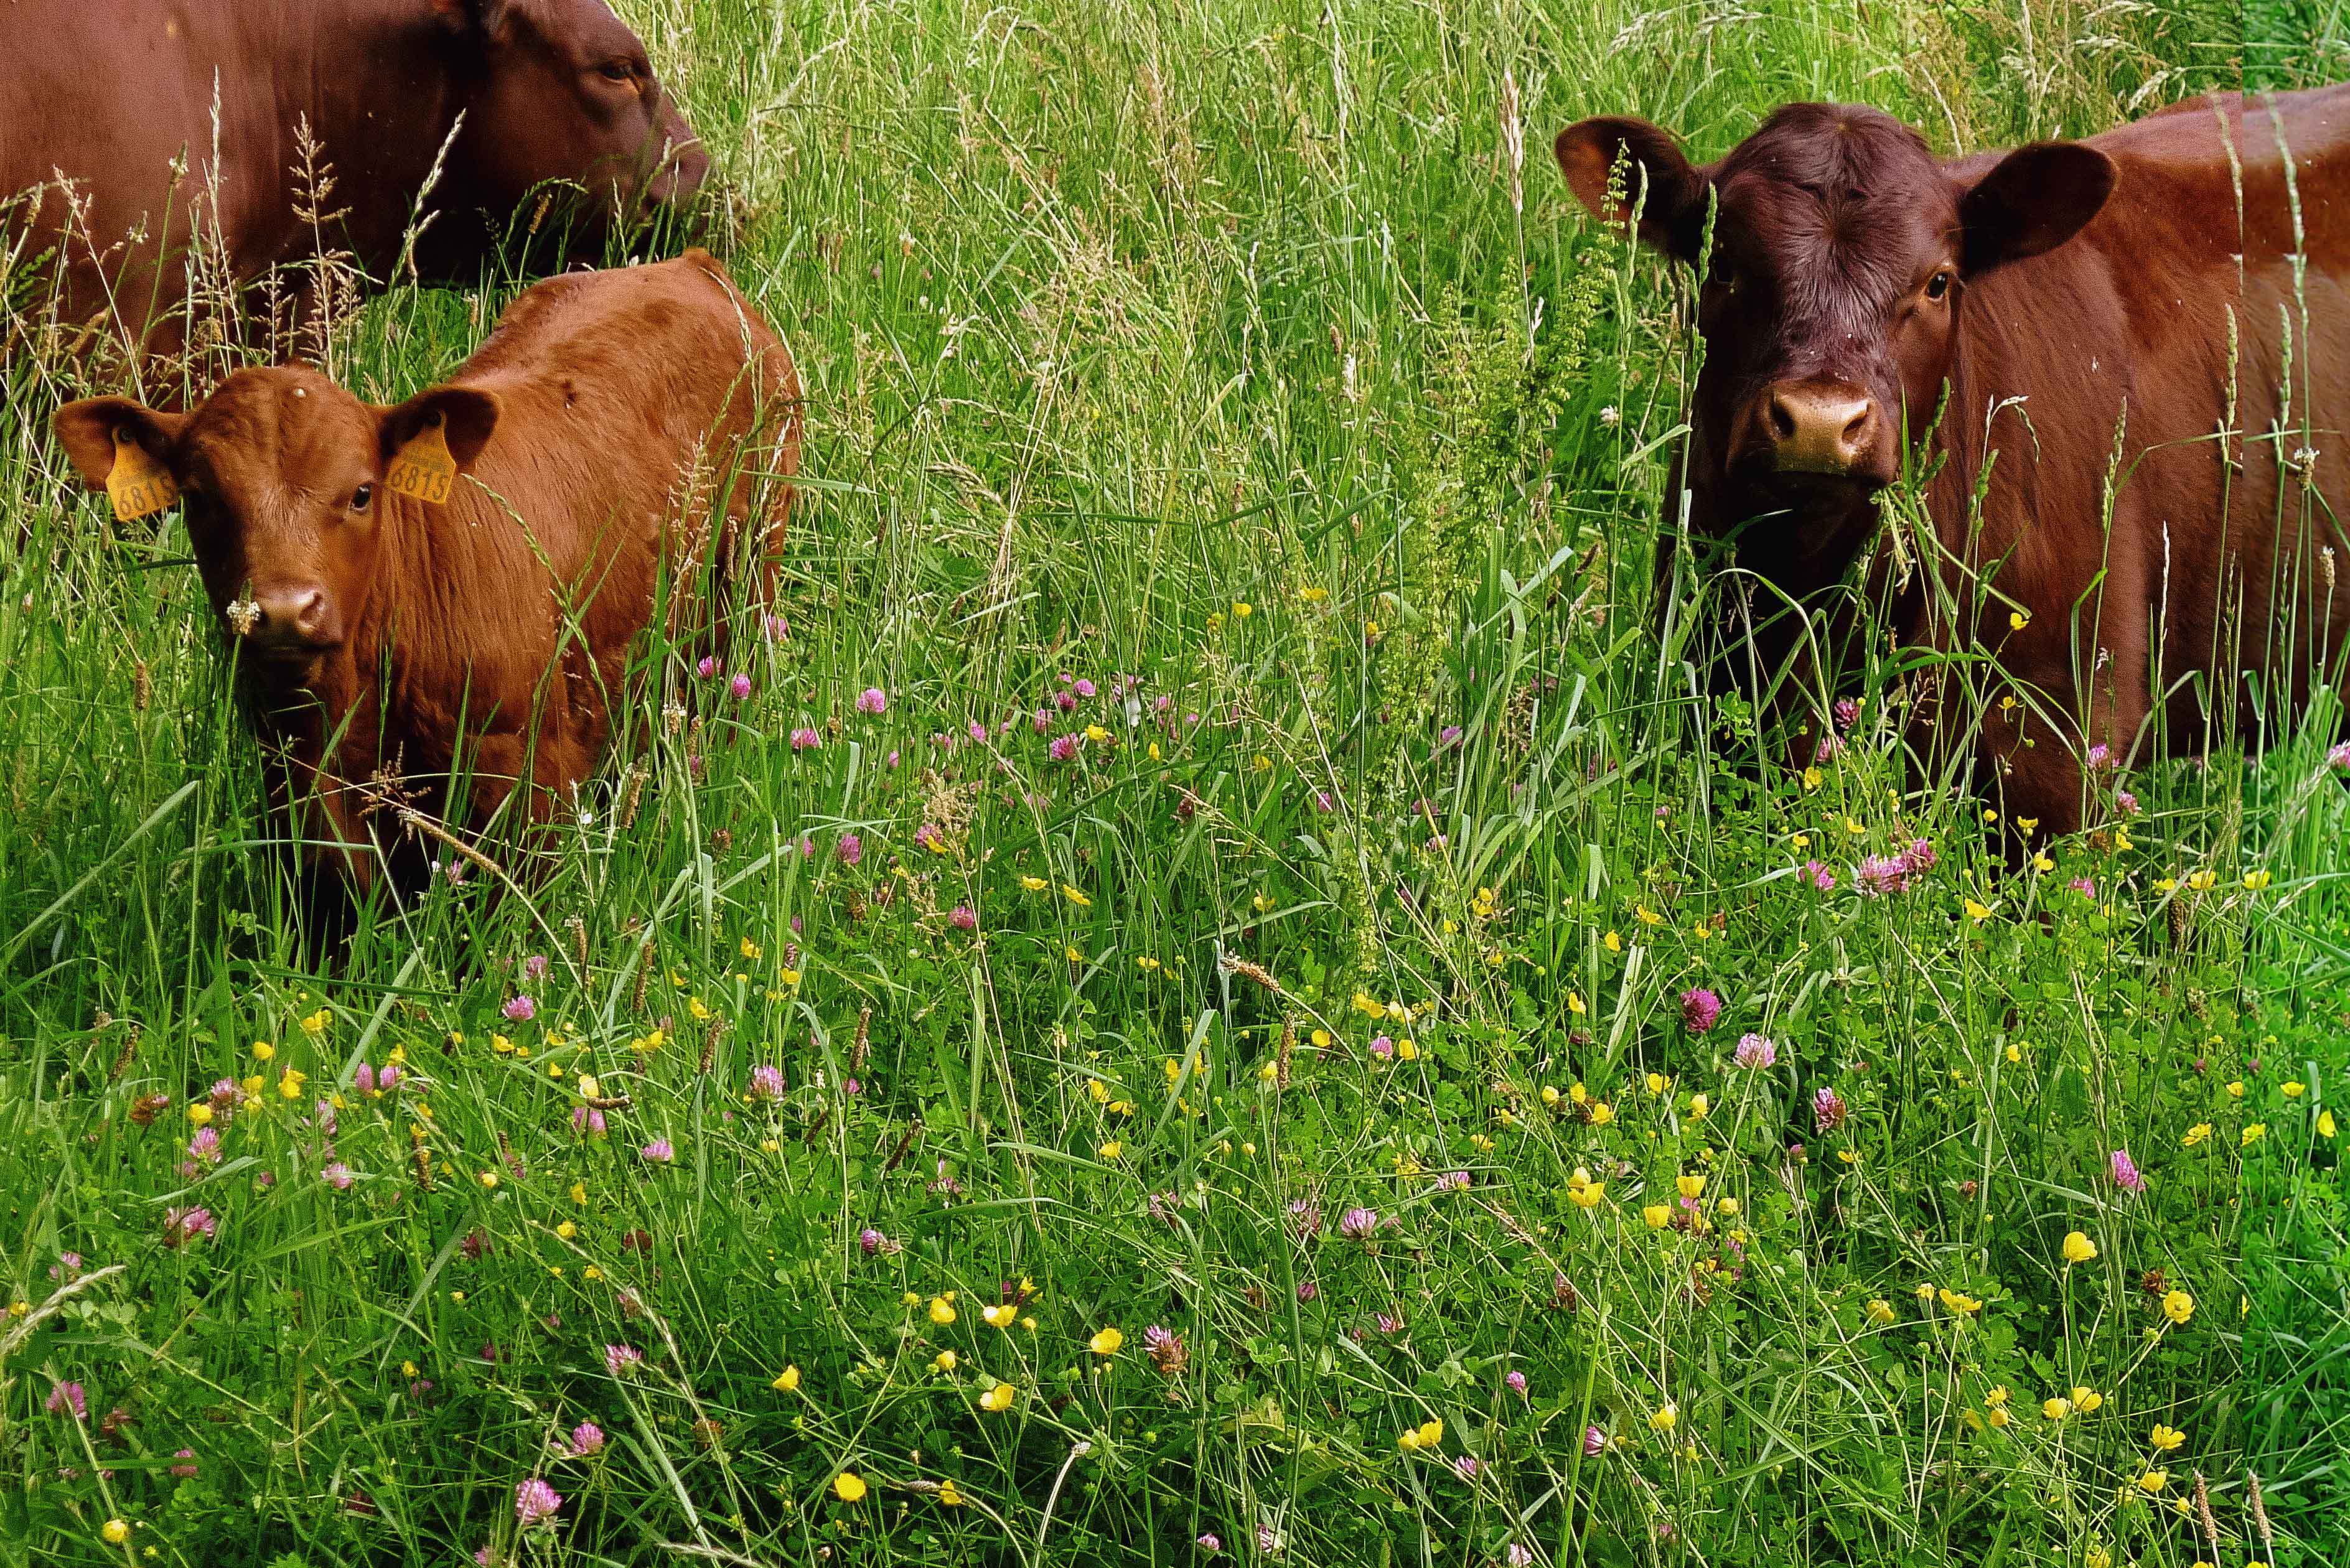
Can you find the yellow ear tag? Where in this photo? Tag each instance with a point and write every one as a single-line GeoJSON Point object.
{"type": "Point", "coordinates": [137, 484]}
{"type": "Point", "coordinates": [423, 470]}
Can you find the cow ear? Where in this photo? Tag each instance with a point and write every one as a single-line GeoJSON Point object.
{"type": "Point", "coordinates": [1672, 212]}
{"type": "Point", "coordinates": [482, 19]}
{"type": "Point", "coordinates": [2034, 200]}
{"type": "Point", "coordinates": [88, 430]}
{"type": "Point", "coordinates": [467, 416]}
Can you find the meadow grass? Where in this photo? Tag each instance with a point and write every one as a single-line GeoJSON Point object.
{"type": "Point", "coordinates": [1225, 1060]}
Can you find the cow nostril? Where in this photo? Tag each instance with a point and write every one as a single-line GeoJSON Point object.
{"type": "Point", "coordinates": [1782, 419]}
{"type": "Point", "coordinates": [310, 612]}
{"type": "Point", "coordinates": [1856, 428]}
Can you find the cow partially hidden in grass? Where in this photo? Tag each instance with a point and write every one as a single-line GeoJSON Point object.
{"type": "Point", "coordinates": [2126, 305]}
{"type": "Point", "coordinates": [160, 145]}
{"type": "Point", "coordinates": [456, 582]}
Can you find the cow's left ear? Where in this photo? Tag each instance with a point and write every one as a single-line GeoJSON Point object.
{"type": "Point", "coordinates": [466, 415]}
{"type": "Point", "coordinates": [482, 19]}
{"type": "Point", "coordinates": [2034, 200]}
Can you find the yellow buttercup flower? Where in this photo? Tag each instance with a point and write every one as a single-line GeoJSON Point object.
{"type": "Point", "coordinates": [1003, 1315]}
{"type": "Point", "coordinates": [942, 1312]}
{"type": "Point", "coordinates": [2177, 1307]}
{"type": "Point", "coordinates": [787, 1381]}
{"type": "Point", "coordinates": [1106, 1342]}
{"type": "Point", "coordinates": [2165, 1439]}
{"type": "Point", "coordinates": [1880, 1311]}
{"type": "Point", "coordinates": [848, 1486]}
{"type": "Point", "coordinates": [1666, 1417]}
{"type": "Point", "coordinates": [998, 1398]}
{"type": "Point", "coordinates": [2087, 1401]}
{"type": "Point", "coordinates": [2078, 1247]}
{"type": "Point", "coordinates": [1657, 1216]}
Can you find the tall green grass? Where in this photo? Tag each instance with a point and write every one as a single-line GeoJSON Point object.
{"type": "Point", "coordinates": [1247, 364]}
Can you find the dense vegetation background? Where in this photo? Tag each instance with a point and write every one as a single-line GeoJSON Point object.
{"type": "Point", "coordinates": [1283, 1027]}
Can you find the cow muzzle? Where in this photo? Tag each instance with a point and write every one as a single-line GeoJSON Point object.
{"type": "Point", "coordinates": [281, 622]}
{"type": "Point", "coordinates": [1822, 427]}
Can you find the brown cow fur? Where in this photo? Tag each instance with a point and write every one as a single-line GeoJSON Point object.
{"type": "Point", "coordinates": [2089, 306]}
{"type": "Point", "coordinates": [616, 427]}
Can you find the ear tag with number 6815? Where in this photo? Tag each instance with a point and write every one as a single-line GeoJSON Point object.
{"type": "Point", "coordinates": [423, 469]}
{"type": "Point", "coordinates": [136, 483]}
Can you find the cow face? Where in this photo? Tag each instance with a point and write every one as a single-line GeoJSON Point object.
{"type": "Point", "coordinates": [1831, 302]}
{"type": "Point", "coordinates": [282, 475]}
{"type": "Point", "coordinates": [562, 91]}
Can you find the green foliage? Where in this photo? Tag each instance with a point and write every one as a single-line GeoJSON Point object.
{"type": "Point", "coordinates": [1229, 394]}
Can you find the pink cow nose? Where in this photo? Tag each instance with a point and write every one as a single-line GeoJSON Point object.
{"type": "Point", "coordinates": [300, 616]}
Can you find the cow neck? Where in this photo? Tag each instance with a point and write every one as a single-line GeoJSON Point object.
{"type": "Point", "coordinates": [378, 89]}
{"type": "Point", "coordinates": [436, 580]}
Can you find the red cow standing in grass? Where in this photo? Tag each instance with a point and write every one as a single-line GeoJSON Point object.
{"type": "Point", "coordinates": [2139, 282]}
{"type": "Point", "coordinates": [458, 580]}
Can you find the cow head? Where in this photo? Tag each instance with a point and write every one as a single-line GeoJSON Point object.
{"type": "Point", "coordinates": [562, 91]}
{"type": "Point", "coordinates": [282, 472]}
{"type": "Point", "coordinates": [1842, 250]}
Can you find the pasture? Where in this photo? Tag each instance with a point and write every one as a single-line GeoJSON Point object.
{"type": "Point", "coordinates": [1211, 987]}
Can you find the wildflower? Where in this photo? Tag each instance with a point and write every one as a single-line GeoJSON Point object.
{"type": "Point", "coordinates": [1211, 1543]}
{"type": "Point", "coordinates": [2153, 1481]}
{"type": "Point", "coordinates": [2254, 1132]}
{"type": "Point", "coordinates": [1516, 1382]}
{"type": "Point", "coordinates": [2078, 1247]}
{"type": "Point", "coordinates": [67, 1398]}
{"type": "Point", "coordinates": [1819, 876]}
{"type": "Point", "coordinates": [1166, 1350]}
{"type": "Point", "coordinates": [1075, 896]}
{"type": "Point", "coordinates": [948, 1496]}
{"type": "Point", "coordinates": [787, 1381]}
{"type": "Point", "coordinates": [766, 1082]}
{"type": "Point", "coordinates": [1106, 1343]}
{"type": "Point", "coordinates": [1355, 1224]}
{"type": "Point", "coordinates": [2177, 1307]}
{"type": "Point", "coordinates": [1519, 1555]}
{"type": "Point", "coordinates": [181, 1226]}
{"type": "Point", "coordinates": [964, 917]}
{"type": "Point", "coordinates": [1880, 1311]}
{"type": "Point", "coordinates": [1113, 1149]}
{"type": "Point", "coordinates": [805, 739]}
{"type": "Point", "coordinates": [872, 699]}
{"type": "Point", "coordinates": [619, 1360]}
{"type": "Point", "coordinates": [1699, 1008]}
{"type": "Point", "coordinates": [337, 1175]}
{"type": "Point", "coordinates": [1465, 1467]}
{"type": "Point", "coordinates": [186, 1469]}
{"type": "Point", "coordinates": [1828, 1111]}
{"type": "Point", "coordinates": [999, 1398]}
{"type": "Point", "coordinates": [2056, 1408]}
{"type": "Point", "coordinates": [1003, 1315]}
{"type": "Point", "coordinates": [2086, 1400]}
{"type": "Point", "coordinates": [1756, 1052]}
{"type": "Point", "coordinates": [534, 1501]}
{"type": "Point", "coordinates": [115, 1532]}
{"type": "Point", "coordinates": [205, 1147]}
{"type": "Point", "coordinates": [942, 1312]}
{"type": "Point", "coordinates": [1595, 1442]}
{"type": "Point", "coordinates": [2197, 1134]}
{"type": "Point", "coordinates": [521, 1009]}
{"type": "Point", "coordinates": [289, 1083]}
{"type": "Point", "coordinates": [848, 1486]}
{"type": "Point", "coordinates": [2125, 1172]}
{"type": "Point", "coordinates": [1382, 1047]}
{"type": "Point", "coordinates": [2165, 1439]}
{"type": "Point", "coordinates": [1665, 1417]}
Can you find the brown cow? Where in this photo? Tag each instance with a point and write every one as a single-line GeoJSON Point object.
{"type": "Point", "coordinates": [2059, 294]}
{"type": "Point", "coordinates": [119, 96]}
{"type": "Point", "coordinates": [616, 428]}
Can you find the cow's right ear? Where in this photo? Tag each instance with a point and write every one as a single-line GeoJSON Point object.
{"type": "Point", "coordinates": [88, 430]}
{"type": "Point", "coordinates": [467, 416]}
{"type": "Point", "coordinates": [1672, 211]}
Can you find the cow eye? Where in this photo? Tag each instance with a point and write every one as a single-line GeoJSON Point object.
{"type": "Point", "coordinates": [617, 70]}
{"type": "Point", "coordinates": [361, 496]}
{"type": "Point", "coordinates": [1938, 285]}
